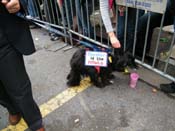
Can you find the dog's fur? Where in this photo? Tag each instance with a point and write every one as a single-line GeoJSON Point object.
{"type": "Point", "coordinates": [101, 79]}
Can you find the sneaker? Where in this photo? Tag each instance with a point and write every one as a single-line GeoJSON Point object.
{"type": "Point", "coordinates": [29, 17]}
{"type": "Point", "coordinates": [168, 88]}
{"type": "Point", "coordinates": [54, 37]}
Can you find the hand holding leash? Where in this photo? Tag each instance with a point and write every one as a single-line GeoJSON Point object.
{"type": "Point", "coordinates": [114, 41]}
{"type": "Point", "coordinates": [12, 6]}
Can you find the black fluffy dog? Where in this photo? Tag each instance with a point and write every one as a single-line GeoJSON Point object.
{"type": "Point", "coordinates": [99, 79]}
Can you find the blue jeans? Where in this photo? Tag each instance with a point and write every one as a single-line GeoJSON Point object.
{"type": "Point", "coordinates": [31, 8]}
{"type": "Point", "coordinates": [130, 27]}
{"type": "Point", "coordinates": [68, 18]}
{"type": "Point", "coordinates": [174, 23]}
{"type": "Point", "coordinates": [155, 21]}
{"type": "Point", "coordinates": [84, 16]}
{"type": "Point", "coordinates": [51, 11]}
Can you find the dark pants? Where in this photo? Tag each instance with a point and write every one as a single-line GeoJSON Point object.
{"type": "Point", "coordinates": [52, 12]}
{"type": "Point", "coordinates": [174, 23]}
{"type": "Point", "coordinates": [130, 28]}
{"type": "Point", "coordinates": [15, 87]}
{"type": "Point", "coordinates": [36, 8]}
{"type": "Point", "coordinates": [84, 10]}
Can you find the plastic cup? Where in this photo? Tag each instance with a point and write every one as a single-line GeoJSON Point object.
{"type": "Point", "coordinates": [133, 80]}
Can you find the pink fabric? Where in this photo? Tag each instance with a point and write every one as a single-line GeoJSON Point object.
{"type": "Point", "coordinates": [61, 2]}
{"type": "Point", "coordinates": [98, 69]}
{"type": "Point", "coordinates": [110, 3]}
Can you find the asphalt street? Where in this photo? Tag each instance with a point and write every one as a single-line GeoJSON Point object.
{"type": "Point", "coordinates": [116, 107]}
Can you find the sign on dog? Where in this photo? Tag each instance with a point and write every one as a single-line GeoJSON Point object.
{"type": "Point", "coordinates": [96, 58]}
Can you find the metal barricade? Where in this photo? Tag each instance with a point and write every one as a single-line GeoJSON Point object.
{"type": "Point", "coordinates": [80, 20]}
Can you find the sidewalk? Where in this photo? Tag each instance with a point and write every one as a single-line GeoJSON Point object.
{"type": "Point", "coordinates": [113, 108]}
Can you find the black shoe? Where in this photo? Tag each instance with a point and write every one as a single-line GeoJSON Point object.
{"type": "Point", "coordinates": [54, 37]}
{"type": "Point", "coordinates": [168, 88]}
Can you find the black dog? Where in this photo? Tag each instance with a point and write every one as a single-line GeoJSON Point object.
{"type": "Point", "coordinates": [122, 60]}
{"type": "Point", "coordinates": [99, 79]}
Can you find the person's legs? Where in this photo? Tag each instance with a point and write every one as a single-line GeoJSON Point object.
{"type": "Point", "coordinates": [131, 21]}
{"type": "Point", "coordinates": [132, 12]}
{"type": "Point", "coordinates": [38, 11]}
{"type": "Point", "coordinates": [18, 87]}
{"type": "Point", "coordinates": [51, 11]}
{"type": "Point", "coordinates": [4, 98]}
{"type": "Point", "coordinates": [155, 21]}
{"type": "Point", "coordinates": [121, 28]}
{"type": "Point", "coordinates": [67, 13]}
{"type": "Point", "coordinates": [174, 23]}
{"type": "Point", "coordinates": [87, 11]}
{"type": "Point", "coordinates": [120, 34]}
{"type": "Point", "coordinates": [79, 14]}
{"type": "Point", "coordinates": [31, 9]}
{"type": "Point", "coordinates": [6, 101]}
{"type": "Point", "coordinates": [14, 112]}
{"type": "Point", "coordinates": [84, 10]}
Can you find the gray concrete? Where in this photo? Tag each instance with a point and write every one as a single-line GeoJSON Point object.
{"type": "Point", "coordinates": [114, 108]}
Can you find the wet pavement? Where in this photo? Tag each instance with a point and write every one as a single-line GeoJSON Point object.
{"type": "Point", "coordinates": [114, 108]}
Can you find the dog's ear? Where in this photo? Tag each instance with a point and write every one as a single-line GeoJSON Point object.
{"type": "Point", "coordinates": [119, 52]}
{"type": "Point", "coordinates": [119, 63]}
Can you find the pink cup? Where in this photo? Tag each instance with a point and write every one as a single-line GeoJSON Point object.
{"type": "Point", "coordinates": [133, 80]}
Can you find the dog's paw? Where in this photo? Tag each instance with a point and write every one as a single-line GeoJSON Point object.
{"type": "Point", "coordinates": [111, 76]}
{"type": "Point", "coordinates": [108, 82]}
{"type": "Point", "coordinates": [99, 85]}
{"type": "Point", "coordinates": [133, 65]}
{"type": "Point", "coordinates": [68, 77]}
{"type": "Point", "coordinates": [70, 84]}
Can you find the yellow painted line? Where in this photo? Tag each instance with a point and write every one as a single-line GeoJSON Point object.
{"type": "Point", "coordinates": [53, 104]}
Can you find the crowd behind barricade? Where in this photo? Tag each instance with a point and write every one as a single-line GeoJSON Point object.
{"type": "Point", "coordinates": [76, 15]}
{"type": "Point", "coordinates": [16, 41]}
{"type": "Point", "coordinates": [71, 14]}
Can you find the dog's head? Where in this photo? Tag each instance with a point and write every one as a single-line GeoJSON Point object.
{"type": "Point", "coordinates": [121, 61]}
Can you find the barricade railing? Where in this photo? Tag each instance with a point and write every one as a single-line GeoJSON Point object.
{"type": "Point", "coordinates": [80, 20]}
